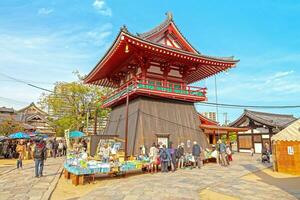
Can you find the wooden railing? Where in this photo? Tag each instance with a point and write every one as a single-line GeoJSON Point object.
{"type": "Point", "coordinates": [159, 86]}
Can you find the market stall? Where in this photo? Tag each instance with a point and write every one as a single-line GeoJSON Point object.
{"type": "Point", "coordinates": [109, 160]}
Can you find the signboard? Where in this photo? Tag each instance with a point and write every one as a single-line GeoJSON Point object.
{"type": "Point", "coordinates": [290, 150]}
{"type": "Point", "coordinates": [163, 141]}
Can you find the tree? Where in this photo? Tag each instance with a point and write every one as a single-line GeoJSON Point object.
{"type": "Point", "coordinates": [9, 126]}
{"type": "Point", "coordinates": [71, 103]}
{"type": "Point", "coordinates": [232, 137]}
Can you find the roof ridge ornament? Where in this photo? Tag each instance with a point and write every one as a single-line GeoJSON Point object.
{"type": "Point", "coordinates": [124, 29]}
{"type": "Point", "coordinates": [169, 15]}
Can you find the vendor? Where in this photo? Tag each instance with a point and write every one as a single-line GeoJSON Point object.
{"type": "Point", "coordinates": [105, 151]}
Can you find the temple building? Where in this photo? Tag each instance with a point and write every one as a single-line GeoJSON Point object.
{"type": "Point", "coordinates": [154, 72]}
{"type": "Point", "coordinates": [262, 126]}
{"type": "Point", "coordinates": [36, 118]}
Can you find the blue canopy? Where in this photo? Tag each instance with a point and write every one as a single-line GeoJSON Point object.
{"type": "Point", "coordinates": [76, 134]}
{"type": "Point", "coordinates": [19, 135]}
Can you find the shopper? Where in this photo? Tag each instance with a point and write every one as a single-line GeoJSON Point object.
{"type": "Point", "coordinates": [222, 147]}
{"type": "Point", "coordinates": [172, 152]}
{"type": "Point", "coordinates": [84, 144]}
{"type": "Point", "coordinates": [40, 155]}
{"type": "Point", "coordinates": [55, 148]}
{"type": "Point", "coordinates": [153, 155]}
{"type": "Point", "coordinates": [64, 148]}
{"type": "Point", "coordinates": [20, 149]}
{"type": "Point", "coordinates": [165, 158]}
{"type": "Point", "coordinates": [6, 149]}
{"type": "Point", "coordinates": [180, 155]}
{"type": "Point", "coordinates": [60, 148]}
{"type": "Point", "coordinates": [196, 152]}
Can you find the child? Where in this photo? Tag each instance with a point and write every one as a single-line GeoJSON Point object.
{"type": "Point", "coordinates": [252, 152]}
{"type": "Point", "coordinates": [228, 152]}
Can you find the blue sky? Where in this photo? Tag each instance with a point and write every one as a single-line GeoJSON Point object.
{"type": "Point", "coordinates": [44, 41]}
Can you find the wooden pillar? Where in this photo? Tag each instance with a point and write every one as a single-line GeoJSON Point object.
{"type": "Point", "coordinates": [270, 135]}
{"type": "Point", "coordinates": [214, 138]}
{"type": "Point", "coordinates": [238, 142]}
{"type": "Point", "coordinates": [252, 138]}
{"type": "Point", "coordinates": [227, 137]}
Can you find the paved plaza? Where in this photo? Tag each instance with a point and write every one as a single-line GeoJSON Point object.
{"type": "Point", "coordinates": [188, 184]}
{"type": "Point", "coordinates": [245, 178]}
{"type": "Point", "coordinates": [20, 184]}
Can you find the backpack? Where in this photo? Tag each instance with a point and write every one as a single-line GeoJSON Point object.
{"type": "Point", "coordinates": [164, 155]}
{"type": "Point", "coordinates": [39, 152]}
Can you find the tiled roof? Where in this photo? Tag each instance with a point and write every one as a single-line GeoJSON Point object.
{"type": "Point", "coordinates": [6, 110]}
{"type": "Point", "coordinates": [158, 28]}
{"type": "Point", "coordinates": [270, 119]}
{"type": "Point", "coordinates": [162, 26]}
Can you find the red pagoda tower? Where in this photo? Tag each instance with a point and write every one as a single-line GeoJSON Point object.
{"type": "Point", "coordinates": [155, 70]}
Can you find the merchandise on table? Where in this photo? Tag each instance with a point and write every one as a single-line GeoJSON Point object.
{"type": "Point", "coordinates": [79, 163]}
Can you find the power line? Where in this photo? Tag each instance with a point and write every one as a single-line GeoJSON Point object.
{"type": "Point", "coordinates": [247, 106]}
{"type": "Point", "coordinates": [199, 103]}
{"type": "Point", "coordinates": [9, 99]}
{"type": "Point", "coordinates": [29, 84]}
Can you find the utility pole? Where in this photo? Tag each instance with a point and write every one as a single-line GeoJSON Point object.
{"type": "Point", "coordinates": [225, 118]}
{"type": "Point", "coordinates": [96, 121]}
{"type": "Point", "coordinates": [126, 123]}
{"type": "Point", "coordinates": [217, 108]}
{"type": "Point", "coordinates": [87, 122]}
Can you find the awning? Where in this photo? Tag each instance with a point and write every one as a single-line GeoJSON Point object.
{"type": "Point", "coordinates": [290, 133]}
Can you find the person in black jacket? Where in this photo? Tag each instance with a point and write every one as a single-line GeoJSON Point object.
{"type": "Point", "coordinates": [40, 155]}
{"type": "Point", "coordinates": [180, 155]}
{"type": "Point", "coordinates": [197, 154]}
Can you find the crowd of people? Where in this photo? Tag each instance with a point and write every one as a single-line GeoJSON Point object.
{"type": "Point", "coordinates": [36, 149]}
{"type": "Point", "coordinates": [56, 148]}
{"type": "Point", "coordinates": [170, 159]}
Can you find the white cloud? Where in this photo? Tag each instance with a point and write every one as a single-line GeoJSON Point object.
{"type": "Point", "coordinates": [283, 74]}
{"type": "Point", "coordinates": [45, 11]}
{"type": "Point", "coordinates": [42, 56]}
{"type": "Point", "coordinates": [279, 75]}
{"type": "Point", "coordinates": [102, 8]}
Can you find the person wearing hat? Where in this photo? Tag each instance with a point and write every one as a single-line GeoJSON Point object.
{"type": "Point", "coordinates": [196, 153]}
{"type": "Point", "coordinates": [180, 155]}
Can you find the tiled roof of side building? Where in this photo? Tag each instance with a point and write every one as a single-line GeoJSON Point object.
{"type": "Point", "coordinates": [6, 110]}
{"type": "Point", "coordinates": [271, 119]}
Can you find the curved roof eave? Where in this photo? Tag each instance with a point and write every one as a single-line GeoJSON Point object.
{"type": "Point", "coordinates": [167, 22]}
{"type": "Point", "coordinates": [108, 51]}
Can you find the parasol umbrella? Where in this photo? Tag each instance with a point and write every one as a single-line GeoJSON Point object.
{"type": "Point", "coordinates": [32, 134]}
{"type": "Point", "coordinates": [3, 138]}
{"type": "Point", "coordinates": [19, 135]}
{"type": "Point", "coordinates": [41, 135]}
{"type": "Point", "coordinates": [76, 134]}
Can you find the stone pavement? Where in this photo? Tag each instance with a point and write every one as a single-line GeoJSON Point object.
{"type": "Point", "coordinates": [187, 184]}
{"type": "Point", "coordinates": [21, 183]}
